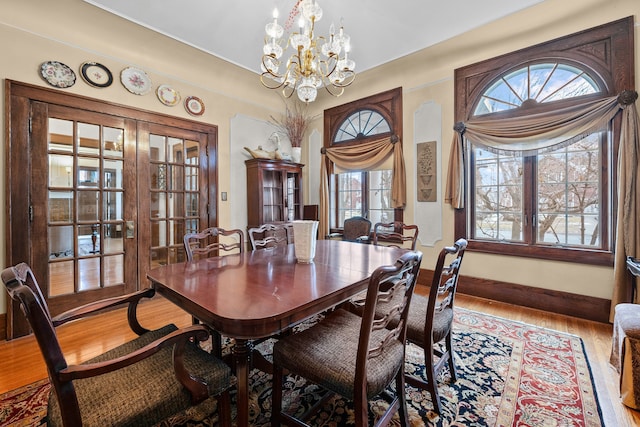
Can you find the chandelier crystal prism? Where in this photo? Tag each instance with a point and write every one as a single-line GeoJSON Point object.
{"type": "Point", "coordinates": [313, 63]}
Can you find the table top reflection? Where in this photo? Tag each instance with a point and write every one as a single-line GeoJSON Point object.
{"type": "Point", "coordinates": [260, 293]}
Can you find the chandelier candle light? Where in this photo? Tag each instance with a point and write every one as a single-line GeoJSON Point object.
{"type": "Point", "coordinates": [314, 63]}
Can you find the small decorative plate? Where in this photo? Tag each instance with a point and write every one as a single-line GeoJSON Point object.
{"type": "Point", "coordinates": [135, 81]}
{"type": "Point", "coordinates": [96, 75]}
{"type": "Point", "coordinates": [168, 95]}
{"type": "Point", "coordinates": [57, 74]}
{"type": "Point", "coordinates": [194, 105]}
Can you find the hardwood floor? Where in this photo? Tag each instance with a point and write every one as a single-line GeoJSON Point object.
{"type": "Point", "coordinates": [21, 363]}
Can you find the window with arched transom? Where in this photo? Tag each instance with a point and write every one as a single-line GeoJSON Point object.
{"type": "Point", "coordinates": [555, 203]}
{"type": "Point", "coordinates": [365, 193]}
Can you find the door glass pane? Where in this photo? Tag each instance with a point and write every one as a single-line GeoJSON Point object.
{"type": "Point", "coordinates": [112, 208]}
{"type": "Point", "coordinates": [60, 135]}
{"type": "Point", "coordinates": [113, 142]}
{"type": "Point", "coordinates": [177, 177]}
{"type": "Point", "coordinates": [113, 238]}
{"type": "Point", "coordinates": [192, 226]}
{"type": "Point", "coordinates": [176, 147]}
{"type": "Point", "coordinates": [60, 171]}
{"type": "Point", "coordinates": [193, 153]}
{"type": "Point", "coordinates": [157, 148]}
{"type": "Point", "coordinates": [177, 204]}
{"type": "Point", "coordinates": [60, 242]}
{"type": "Point", "coordinates": [89, 269]}
{"type": "Point", "coordinates": [61, 277]}
{"type": "Point", "coordinates": [113, 173]}
{"type": "Point", "coordinates": [158, 205]}
{"type": "Point", "coordinates": [113, 272]}
{"type": "Point", "coordinates": [88, 138]}
{"type": "Point", "coordinates": [88, 205]}
{"type": "Point", "coordinates": [192, 204]}
{"type": "Point", "coordinates": [60, 206]}
{"type": "Point", "coordinates": [88, 172]}
{"type": "Point", "coordinates": [191, 178]}
{"type": "Point", "coordinates": [88, 240]}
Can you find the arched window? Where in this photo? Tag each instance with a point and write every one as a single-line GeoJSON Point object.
{"type": "Point", "coordinates": [362, 124]}
{"type": "Point", "coordinates": [550, 204]}
{"type": "Point", "coordinates": [364, 193]}
{"type": "Point", "coordinates": [535, 84]}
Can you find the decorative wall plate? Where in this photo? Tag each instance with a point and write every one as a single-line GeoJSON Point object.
{"type": "Point", "coordinates": [168, 95]}
{"type": "Point", "coordinates": [135, 81]}
{"type": "Point", "coordinates": [96, 74]}
{"type": "Point", "coordinates": [57, 74]}
{"type": "Point", "coordinates": [194, 105]}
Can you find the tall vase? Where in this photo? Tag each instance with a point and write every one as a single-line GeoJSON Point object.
{"type": "Point", "coordinates": [304, 240]}
{"type": "Point", "coordinates": [296, 154]}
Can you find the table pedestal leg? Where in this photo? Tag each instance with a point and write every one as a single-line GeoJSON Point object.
{"type": "Point", "coordinates": [241, 351]}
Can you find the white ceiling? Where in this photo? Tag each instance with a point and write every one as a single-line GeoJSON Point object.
{"type": "Point", "coordinates": [380, 30]}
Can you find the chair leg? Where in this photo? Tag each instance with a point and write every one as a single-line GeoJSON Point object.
{"type": "Point", "coordinates": [452, 365]}
{"type": "Point", "coordinates": [224, 409]}
{"type": "Point", "coordinates": [276, 396]}
{"type": "Point", "coordinates": [216, 344]}
{"type": "Point", "coordinates": [361, 411]}
{"type": "Point", "coordinates": [432, 386]}
{"type": "Point", "coordinates": [402, 399]}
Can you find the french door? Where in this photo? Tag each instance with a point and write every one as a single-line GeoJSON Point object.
{"type": "Point", "coordinates": [98, 196]}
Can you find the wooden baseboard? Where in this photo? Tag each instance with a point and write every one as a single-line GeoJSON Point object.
{"type": "Point", "coordinates": [584, 307]}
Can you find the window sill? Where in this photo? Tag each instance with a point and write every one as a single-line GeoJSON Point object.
{"type": "Point", "coordinates": [575, 255]}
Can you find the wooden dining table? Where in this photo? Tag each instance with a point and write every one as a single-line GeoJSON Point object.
{"type": "Point", "coordinates": [260, 293]}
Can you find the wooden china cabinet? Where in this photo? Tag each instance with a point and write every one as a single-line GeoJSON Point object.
{"type": "Point", "coordinates": [274, 191]}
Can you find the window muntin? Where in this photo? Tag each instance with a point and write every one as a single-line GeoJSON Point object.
{"type": "Point", "coordinates": [569, 195]}
{"type": "Point", "coordinates": [361, 124]}
{"type": "Point", "coordinates": [380, 209]}
{"type": "Point", "coordinates": [498, 204]}
{"type": "Point", "coordinates": [351, 191]}
{"type": "Point", "coordinates": [535, 83]}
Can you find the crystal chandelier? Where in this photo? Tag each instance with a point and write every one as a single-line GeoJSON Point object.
{"type": "Point", "coordinates": [314, 62]}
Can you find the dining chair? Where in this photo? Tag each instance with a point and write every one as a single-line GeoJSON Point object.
{"type": "Point", "coordinates": [203, 244]}
{"type": "Point", "coordinates": [270, 235]}
{"type": "Point", "coordinates": [395, 234]}
{"type": "Point", "coordinates": [140, 383]}
{"type": "Point", "coordinates": [206, 242]}
{"type": "Point", "coordinates": [355, 229]}
{"type": "Point", "coordinates": [355, 357]}
{"type": "Point", "coordinates": [431, 318]}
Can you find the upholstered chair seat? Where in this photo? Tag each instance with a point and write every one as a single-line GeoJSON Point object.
{"type": "Point", "coordinates": [625, 352]}
{"type": "Point", "coordinates": [357, 357]}
{"type": "Point", "coordinates": [146, 391]}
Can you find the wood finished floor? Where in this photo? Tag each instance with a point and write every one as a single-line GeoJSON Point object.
{"type": "Point", "coordinates": [21, 363]}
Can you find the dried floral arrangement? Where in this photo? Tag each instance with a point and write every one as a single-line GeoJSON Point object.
{"type": "Point", "coordinates": [294, 122]}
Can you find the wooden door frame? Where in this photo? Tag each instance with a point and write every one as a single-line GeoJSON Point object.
{"type": "Point", "coordinates": [18, 98]}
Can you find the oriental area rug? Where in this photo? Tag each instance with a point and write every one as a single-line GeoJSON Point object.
{"type": "Point", "coordinates": [509, 374]}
